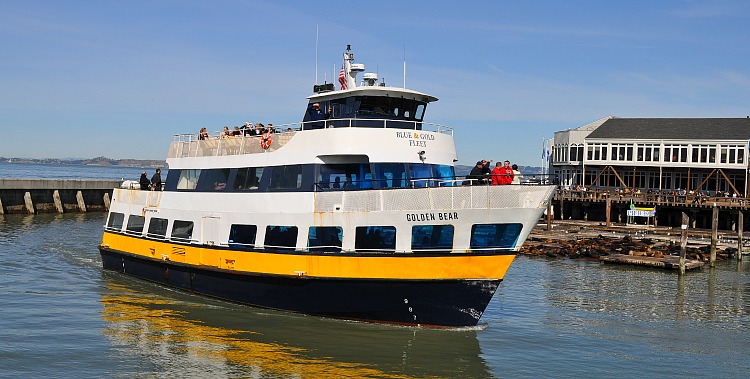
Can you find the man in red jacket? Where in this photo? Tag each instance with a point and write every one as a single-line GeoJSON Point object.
{"type": "Point", "coordinates": [502, 175]}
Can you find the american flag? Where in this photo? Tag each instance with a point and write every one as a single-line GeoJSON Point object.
{"type": "Point", "coordinates": [342, 79]}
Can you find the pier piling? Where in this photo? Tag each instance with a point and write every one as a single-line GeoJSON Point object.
{"type": "Point", "coordinates": [740, 226]}
{"type": "Point", "coordinates": [58, 202]}
{"type": "Point", "coordinates": [683, 242]}
{"type": "Point", "coordinates": [31, 196]}
{"type": "Point", "coordinates": [81, 203]}
{"type": "Point", "coordinates": [28, 203]}
{"type": "Point", "coordinates": [714, 235]}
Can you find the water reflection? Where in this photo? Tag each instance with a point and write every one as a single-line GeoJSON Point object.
{"type": "Point", "coordinates": [175, 332]}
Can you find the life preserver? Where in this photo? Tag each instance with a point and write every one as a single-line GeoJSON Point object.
{"type": "Point", "coordinates": [265, 140]}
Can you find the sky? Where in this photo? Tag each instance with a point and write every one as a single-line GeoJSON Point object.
{"type": "Point", "coordinates": [119, 78]}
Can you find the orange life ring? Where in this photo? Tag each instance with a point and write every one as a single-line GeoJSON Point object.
{"type": "Point", "coordinates": [265, 140]}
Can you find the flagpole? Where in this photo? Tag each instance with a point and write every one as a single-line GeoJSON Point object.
{"type": "Point", "coordinates": [316, 54]}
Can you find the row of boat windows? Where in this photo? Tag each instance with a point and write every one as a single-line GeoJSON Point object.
{"type": "Point", "coordinates": [328, 238]}
{"type": "Point", "coordinates": [310, 177]}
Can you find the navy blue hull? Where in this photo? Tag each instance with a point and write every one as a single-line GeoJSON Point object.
{"type": "Point", "coordinates": [451, 303]}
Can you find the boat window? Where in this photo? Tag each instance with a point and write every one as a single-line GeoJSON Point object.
{"type": "Point", "coordinates": [372, 238]}
{"type": "Point", "coordinates": [248, 178]}
{"type": "Point", "coordinates": [188, 179]}
{"type": "Point", "coordinates": [135, 224]}
{"type": "Point", "coordinates": [344, 176]}
{"type": "Point", "coordinates": [420, 112]}
{"type": "Point", "coordinates": [286, 177]}
{"type": "Point", "coordinates": [485, 237]}
{"type": "Point", "coordinates": [390, 175]}
{"type": "Point", "coordinates": [281, 236]}
{"type": "Point", "coordinates": [445, 174]}
{"type": "Point", "coordinates": [242, 236]}
{"type": "Point", "coordinates": [214, 179]}
{"type": "Point", "coordinates": [115, 220]}
{"type": "Point", "coordinates": [171, 183]}
{"type": "Point", "coordinates": [421, 175]}
{"type": "Point", "coordinates": [325, 238]}
{"type": "Point", "coordinates": [157, 228]}
{"type": "Point", "coordinates": [432, 237]}
{"type": "Point", "coordinates": [182, 231]}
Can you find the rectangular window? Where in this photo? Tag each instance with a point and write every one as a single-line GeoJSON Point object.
{"type": "Point", "coordinates": [242, 236]}
{"type": "Point", "coordinates": [135, 224]}
{"type": "Point", "coordinates": [375, 238]}
{"type": "Point", "coordinates": [629, 156]}
{"type": "Point", "coordinates": [432, 237]}
{"type": "Point", "coordinates": [115, 220]}
{"type": "Point", "coordinates": [390, 175]}
{"type": "Point", "coordinates": [286, 177]}
{"type": "Point", "coordinates": [324, 238]}
{"type": "Point", "coordinates": [214, 179]}
{"type": "Point", "coordinates": [188, 179]}
{"type": "Point", "coordinates": [494, 236]}
{"type": "Point", "coordinates": [157, 228]}
{"type": "Point", "coordinates": [182, 231]}
{"type": "Point", "coordinates": [281, 237]}
{"type": "Point", "coordinates": [248, 178]}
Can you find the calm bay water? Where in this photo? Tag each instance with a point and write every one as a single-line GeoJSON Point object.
{"type": "Point", "coordinates": [61, 315]}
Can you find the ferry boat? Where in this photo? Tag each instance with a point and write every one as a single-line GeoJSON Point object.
{"type": "Point", "coordinates": [355, 213]}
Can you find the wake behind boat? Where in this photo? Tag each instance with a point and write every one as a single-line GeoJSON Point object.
{"type": "Point", "coordinates": [353, 213]}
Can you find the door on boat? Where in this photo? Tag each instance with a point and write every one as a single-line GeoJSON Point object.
{"type": "Point", "coordinates": [210, 228]}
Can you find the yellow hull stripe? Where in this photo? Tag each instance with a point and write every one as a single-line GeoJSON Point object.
{"type": "Point", "coordinates": [451, 266]}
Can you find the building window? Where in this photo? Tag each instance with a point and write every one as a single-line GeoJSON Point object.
{"type": "Point", "coordinates": [324, 238]}
{"type": "Point", "coordinates": [283, 237]}
{"type": "Point", "coordinates": [432, 237]}
{"type": "Point", "coordinates": [135, 224]}
{"type": "Point", "coordinates": [242, 236]}
{"type": "Point", "coordinates": [375, 238]}
{"type": "Point", "coordinates": [157, 228]}
{"type": "Point", "coordinates": [182, 231]}
{"type": "Point", "coordinates": [487, 237]}
{"type": "Point", "coordinates": [115, 220]}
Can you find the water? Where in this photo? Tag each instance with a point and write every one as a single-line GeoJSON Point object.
{"type": "Point", "coordinates": [62, 316]}
{"type": "Point", "coordinates": [59, 171]}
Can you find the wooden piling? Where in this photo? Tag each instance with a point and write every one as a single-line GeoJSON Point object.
{"type": "Point", "coordinates": [28, 202]}
{"type": "Point", "coordinates": [683, 242]}
{"type": "Point", "coordinates": [2, 211]}
{"type": "Point", "coordinates": [81, 203]}
{"type": "Point", "coordinates": [562, 214]}
{"type": "Point", "coordinates": [740, 226]}
{"type": "Point", "coordinates": [58, 202]}
{"type": "Point", "coordinates": [714, 235]}
{"type": "Point", "coordinates": [106, 200]}
{"type": "Point", "coordinates": [609, 211]}
{"type": "Point", "coordinates": [549, 216]}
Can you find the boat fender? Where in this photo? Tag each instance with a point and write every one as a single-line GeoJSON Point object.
{"type": "Point", "coordinates": [265, 140]}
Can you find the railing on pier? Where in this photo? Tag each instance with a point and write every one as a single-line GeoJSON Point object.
{"type": "Point", "coordinates": [219, 144]}
{"type": "Point", "coordinates": [660, 199]}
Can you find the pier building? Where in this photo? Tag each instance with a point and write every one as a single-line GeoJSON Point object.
{"type": "Point", "coordinates": [671, 163]}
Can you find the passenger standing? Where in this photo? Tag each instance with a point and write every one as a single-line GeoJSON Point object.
{"type": "Point", "coordinates": [236, 132]}
{"type": "Point", "coordinates": [506, 173]}
{"type": "Point", "coordinates": [156, 180]}
{"type": "Point", "coordinates": [517, 176]}
{"type": "Point", "coordinates": [314, 113]}
{"type": "Point", "coordinates": [144, 182]}
{"type": "Point", "coordinates": [203, 135]}
{"type": "Point", "coordinates": [226, 132]}
{"type": "Point", "coordinates": [497, 174]}
{"type": "Point", "coordinates": [476, 175]}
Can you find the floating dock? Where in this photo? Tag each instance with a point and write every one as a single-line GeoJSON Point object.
{"type": "Point", "coordinates": [31, 196]}
{"type": "Point", "coordinates": [668, 262]}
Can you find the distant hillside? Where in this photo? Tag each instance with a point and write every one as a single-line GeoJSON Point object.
{"type": "Point", "coordinates": [98, 161]}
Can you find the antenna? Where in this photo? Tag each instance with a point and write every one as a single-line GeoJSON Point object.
{"type": "Point", "coordinates": [404, 65]}
{"type": "Point", "coordinates": [316, 54]}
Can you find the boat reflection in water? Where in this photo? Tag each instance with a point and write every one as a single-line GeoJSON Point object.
{"type": "Point", "coordinates": [173, 332]}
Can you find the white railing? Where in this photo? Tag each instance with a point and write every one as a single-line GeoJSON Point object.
{"type": "Point", "coordinates": [219, 144]}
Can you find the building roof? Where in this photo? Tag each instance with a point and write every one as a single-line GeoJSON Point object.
{"type": "Point", "coordinates": [674, 128]}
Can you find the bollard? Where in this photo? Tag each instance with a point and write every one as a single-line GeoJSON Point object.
{"type": "Point", "coordinates": [683, 242]}
{"type": "Point", "coordinates": [714, 235]}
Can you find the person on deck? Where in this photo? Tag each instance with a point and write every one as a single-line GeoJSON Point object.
{"type": "Point", "coordinates": [156, 180]}
{"type": "Point", "coordinates": [144, 182]}
{"type": "Point", "coordinates": [477, 175]}
{"type": "Point", "coordinates": [317, 115]}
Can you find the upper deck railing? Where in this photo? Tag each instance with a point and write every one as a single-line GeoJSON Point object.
{"type": "Point", "coordinates": [218, 144]}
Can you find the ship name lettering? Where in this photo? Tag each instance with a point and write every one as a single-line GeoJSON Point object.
{"type": "Point", "coordinates": [403, 135]}
{"type": "Point", "coordinates": [448, 216]}
{"type": "Point", "coordinates": [417, 143]}
{"type": "Point", "coordinates": [420, 217]}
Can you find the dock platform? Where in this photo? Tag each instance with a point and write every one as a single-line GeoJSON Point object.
{"type": "Point", "coordinates": [668, 262]}
{"type": "Point", "coordinates": [32, 196]}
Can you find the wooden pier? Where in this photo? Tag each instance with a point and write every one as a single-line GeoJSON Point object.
{"type": "Point", "coordinates": [31, 196]}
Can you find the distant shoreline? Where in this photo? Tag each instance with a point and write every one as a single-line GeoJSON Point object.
{"type": "Point", "coordinates": [99, 161]}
